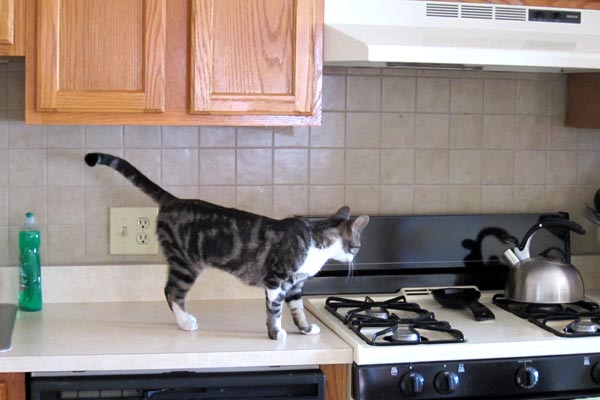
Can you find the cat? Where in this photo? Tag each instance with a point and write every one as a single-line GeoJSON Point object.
{"type": "Point", "coordinates": [277, 255]}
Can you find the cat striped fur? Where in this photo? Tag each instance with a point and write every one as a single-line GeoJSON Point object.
{"type": "Point", "coordinates": [277, 255]}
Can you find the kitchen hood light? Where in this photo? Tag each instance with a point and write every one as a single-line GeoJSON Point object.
{"type": "Point", "coordinates": [460, 67]}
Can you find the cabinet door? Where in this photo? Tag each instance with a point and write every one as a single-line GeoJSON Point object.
{"type": "Point", "coordinates": [12, 27]}
{"type": "Point", "coordinates": [255, 57]}
{"type": "Point", "coordinates": [12, 386]}
{"type": "Point", "coordinates": [101, 55]}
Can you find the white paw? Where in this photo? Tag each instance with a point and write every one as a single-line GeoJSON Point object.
{"type": "Point", "coordinates": [282, 334]}
{"type": "Point", "coordinates": [313, 329]}
{"type": "Point", "coordinates": [189, 324]}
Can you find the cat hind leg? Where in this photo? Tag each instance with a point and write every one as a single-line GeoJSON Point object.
{"type": "Point", "coordinates": [275, 299]}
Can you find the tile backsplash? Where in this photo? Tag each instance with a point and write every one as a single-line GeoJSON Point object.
{"type": "Point", "coordinates": [393, 141]}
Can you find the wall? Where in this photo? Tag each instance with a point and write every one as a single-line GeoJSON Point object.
{"type": "Point", "coordinates": [392, 141]}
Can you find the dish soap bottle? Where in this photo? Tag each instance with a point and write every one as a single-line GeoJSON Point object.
{"type": "Point", "coordinates": [30, 274]}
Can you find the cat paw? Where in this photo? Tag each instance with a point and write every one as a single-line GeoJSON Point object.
{"type": "Point", "coordinates": [278, 335]}
{"type": "Point", "coordinates": [312, 329]}
{"type": "Point", "coordinates": [189, 324]}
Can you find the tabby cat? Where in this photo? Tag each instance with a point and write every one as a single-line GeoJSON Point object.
{"type": "Point", "coordinates": [277, 255]}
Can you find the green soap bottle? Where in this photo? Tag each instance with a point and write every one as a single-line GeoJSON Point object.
{"type": "Point", "coordinates": [30, 274]}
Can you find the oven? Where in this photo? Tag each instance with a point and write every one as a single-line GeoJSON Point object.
{"type": "Point", "coordinates": [408, 345]}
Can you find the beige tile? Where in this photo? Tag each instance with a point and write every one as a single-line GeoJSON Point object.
{"type": "Point", "coordinates": [221, 195]}
{"type": "Point", "coordinates": [466, 131]}
{"type": "Point", "coordinates": [254, 137]}
{"type": "Point", "coordinates": [3, 129]}
{"type": "Point", "coordinates": [254, 166]}
{"type": "Point", "coordinates": [217, 136]}
{"type": "Point", "coordinates": [499, 131]}
{"type": "Point", "coordinates": [464, 199]}
{"type": "Point", "coordinates": [65, 136]}
{"type": "Point", "coordinates": [291, 136]}
{"type": "Point", "coordinates": [98, 202]}
{"type": "Point", "coordinates": [289, 201]}
{"type": "Point", "coordinates": [363, 130]}
{"type": "Point", "coordinates": [465, 167]}
{"type": "Point", "coordinates": [532, 132]}
{"type": "Point", "coordinates": [141, 137]}
{"type": "Point", "coordinates": [23, 136]}
{"type": "Point", "coordinates": [255, 199]}
{"type": "Point", "coordinates": [530, 167]}
{"type": "Point", "coordinates": [399, 94]}
{"type": "Point", "coordinates": [396, 200]}
{"type": "Point", "coordinates": [397, 166]}
{"type": "Point", "coordinates": [535, 76]}
{"type": "Point", "coordinates": [3, 90]}
{"type": "Point", "coordinates": [431, 167]}
{"type": "Point", "coordinates": [557, 97]}
{"type": "Point", "coordinates": [325, 200]}
{"type": "Point", "coordinates": [532, 97]}
{"type": "Point", "coordinates": [290, 166]}
{"type": "Point", "coordinates": [102, 175]}
{"type": "Point", "coordinates": [25, 199]}
{"type": "Point", "coordinates": [364, 71]}
{"type": "Point", "coordinates": [500, 96]}
{"type": "Point", "coordinates": [16, 90]}
{"type": "Point", "coordinates": [3, 206]}
{"type": "Point", "coordinates": [327, 166]}
{"type": "Point", "coordinates": [134, 197]}
{"type": "Point", "coordinates": [179, 136]}
{"type": "Point", "coordinates": [362, 166]}
{"type": "Point", "coordinates": [66, 167]}
{"type": "Point", "coordinates": [498, 167]}
{"type": "Point", "coordinates": [180, 167]}
{"type": "Point", "coordinates": [108, 137]}
{"type": "Point", "coordinates": [363, 199]}
{"type": "Point", "coordinates": [433, 73]}
{"type": "Point", "coordinates": [3, 167]}
{"type": "Point", "coordinates": [500, 75]}
{"type": "Point", "coordinates": [27, 167]}
{"type": "Point", "coordinates": [433, 95]}
{"type": "Point", "coordinates": [562, 167]}
{"type": "Point", "coordinates": [363, 93]}
{"type": "Point", "coordinates": [331, 70]}
{"type": "Point", "coordinates": [4, 250]}
{"type": "Point", "coordinates": [588, 168]}
{"type": "Point", "coordinates": [331, 133]}
{"type": "Point", "coordinates": [431, 199]}
{"type": "Point", "coordinates": [561, 137]}
{"type": "Point", "coordinates": [588, 139]}
{"type": "Point", "coordinates": [334, 93]}
{"type": "Point", "coordinates": [398, 130]}
{"type": "Point", "coordinates": [398, 72]}
{"type": "Point", "coordinates": [147, 161]}
{"type": "Point", "coordinates": [66, 244]}
{"type": "Point", "coordinates": [432, 131]}
{"type": "Point", "coordinates": [530, 198]}
{"type": "Point", "coordinates": [467, 74]}
{"type": "Point", "coordinates": [97, 244]}
{"type": "Point", "coordinates": [561, 197]}
{"type": "Point", "coordinates": [497, 199]}
{"type": "Point", "coordinates": [466, 96]}
{"type": "Point", "coordinates": [183, 192]}
{"type": "Point", "coordinates": [217, 167]}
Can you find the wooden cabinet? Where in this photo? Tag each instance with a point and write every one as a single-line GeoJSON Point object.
{"type": "Point", "coordinates": [174, 62]}
{"type": "Point", "coordinates": [583, 100]}
{"type": "Point", "coordinates": [12, 386]}
{"type": "Point", "coordinates": [12, 27]}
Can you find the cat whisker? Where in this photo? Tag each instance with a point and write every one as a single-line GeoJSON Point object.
{"type": "Point", "coordinates": [350, 269]}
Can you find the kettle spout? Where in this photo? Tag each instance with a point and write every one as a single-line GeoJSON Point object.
{"type": "Point", "coordinates": [511, 258]}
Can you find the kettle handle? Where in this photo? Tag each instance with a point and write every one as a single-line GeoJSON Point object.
{"type": "Point", "coordinates": [549, 223]}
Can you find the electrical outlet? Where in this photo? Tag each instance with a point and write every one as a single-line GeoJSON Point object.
{"type": "Point", "coordinates": [133, 230]}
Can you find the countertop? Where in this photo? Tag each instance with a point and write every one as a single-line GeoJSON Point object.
{"type": "Point", "coordinates": [144, 336]}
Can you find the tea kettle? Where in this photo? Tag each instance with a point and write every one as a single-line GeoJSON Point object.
{"type": "Point", "coordinates": [542, 279]}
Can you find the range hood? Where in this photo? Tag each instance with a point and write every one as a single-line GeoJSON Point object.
{"type": "Point", "coordinates": [404, 33]}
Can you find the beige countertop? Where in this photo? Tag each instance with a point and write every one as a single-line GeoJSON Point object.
{"type": "Point", "coordinates": [143, 336]}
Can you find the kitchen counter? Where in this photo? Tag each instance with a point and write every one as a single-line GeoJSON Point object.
{"type": "Point", "coordinates": [144, 336]}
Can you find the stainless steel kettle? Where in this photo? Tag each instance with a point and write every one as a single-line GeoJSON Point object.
{"type": "Point", "coordinates": [542, 279]}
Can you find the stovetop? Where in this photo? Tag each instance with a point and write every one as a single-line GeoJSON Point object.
{"type": "Point", "coordinates": [506, 336]}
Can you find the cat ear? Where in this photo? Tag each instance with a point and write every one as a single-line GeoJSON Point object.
{"type": "Point", "coordinates": [342, 213]}
{"type": "Point", "coordinates": [359, 223]}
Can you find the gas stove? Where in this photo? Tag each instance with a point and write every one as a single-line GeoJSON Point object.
{"type": "Point", "coordinates": [407, 345]}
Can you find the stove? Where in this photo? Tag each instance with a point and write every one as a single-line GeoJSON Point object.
{"type": "Point", "coordinates": [406, 345]}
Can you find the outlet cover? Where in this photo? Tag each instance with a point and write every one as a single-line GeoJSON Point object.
{"type": "Point", "coordinates": [133, 230]}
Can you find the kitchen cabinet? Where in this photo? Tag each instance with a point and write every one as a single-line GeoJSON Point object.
{"type": "Point", "coordinates": [583, 100]}
{"type": "Point", "coordinates": [176, 62]}
{"type": "Point", "coordinates": [12, 27]}
{"type": "Point", "coordinates": [12, 386]}
{"type": "Point", "coordinates": [337, 381]}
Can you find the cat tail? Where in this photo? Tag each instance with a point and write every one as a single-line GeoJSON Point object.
{"type": "Point", "coordinates": [130, 172]}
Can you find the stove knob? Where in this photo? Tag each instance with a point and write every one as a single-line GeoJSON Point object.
{"type": "Point", "coordinates": [527, 377]}
{"type": "Point", "coordinates": [596, 373]}
{"type": "Point", "coordinates": [412, 383]}
{"type": "Point", "coordinates": [446, 382]}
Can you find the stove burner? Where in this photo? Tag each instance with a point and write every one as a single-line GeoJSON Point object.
{"type": "Point", "coordinates": [404, 333]}
{"type": "Point", "coordinates": [378, 312]}
{"type": "Point", "coordinates": [582, 325]}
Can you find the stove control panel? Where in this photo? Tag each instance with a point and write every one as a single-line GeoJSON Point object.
{"type": "Point", "coordinates": [550, 377]}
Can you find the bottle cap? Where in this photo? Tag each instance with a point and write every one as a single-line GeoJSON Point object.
{"type": "Point", "coordinates": [29, 219]}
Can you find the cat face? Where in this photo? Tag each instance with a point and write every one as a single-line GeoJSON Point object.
{"type": "Point", "coordinates": [350, 232]}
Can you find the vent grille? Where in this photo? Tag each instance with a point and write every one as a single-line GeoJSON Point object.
{"type": "Point", "coordinates": [470, 11]}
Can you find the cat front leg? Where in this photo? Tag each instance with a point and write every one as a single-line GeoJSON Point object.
{"type": "Point", "coordinates": [294, 301]}
{"type": "Point", "coordinates": [275, 299]}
